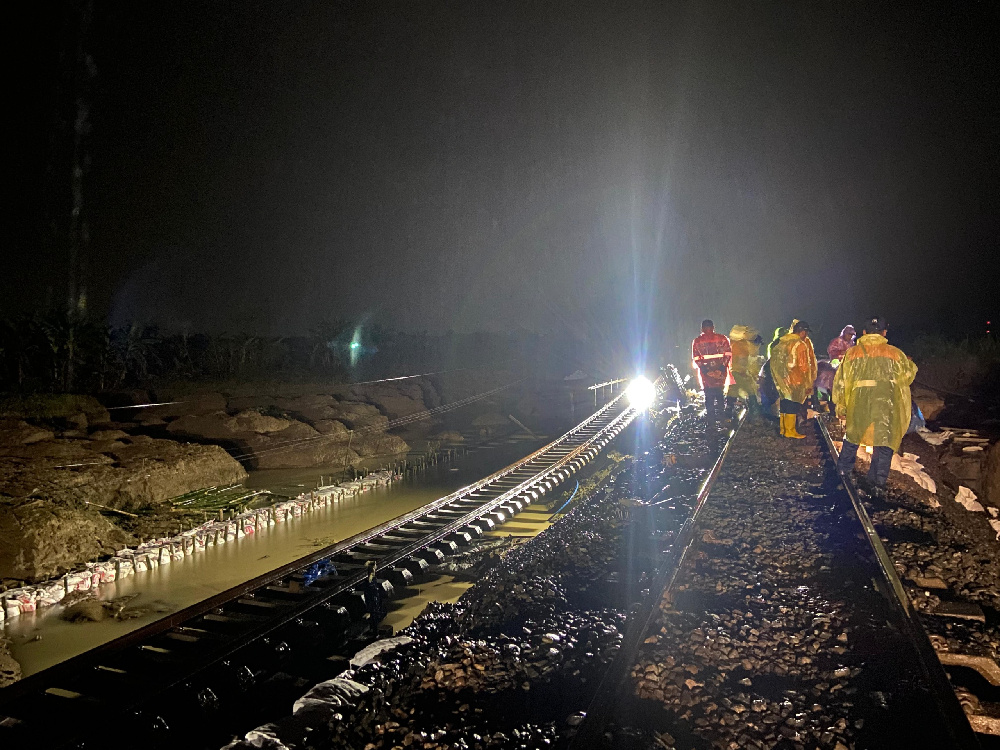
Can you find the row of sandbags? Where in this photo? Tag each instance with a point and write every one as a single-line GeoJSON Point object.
{"type": "Point", "coordinates": [163, 551]}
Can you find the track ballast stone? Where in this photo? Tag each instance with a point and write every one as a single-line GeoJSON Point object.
{"type": "Point", "coordinates": [517, 660]}
{"type": "Point", "coordinates": [775, 636]}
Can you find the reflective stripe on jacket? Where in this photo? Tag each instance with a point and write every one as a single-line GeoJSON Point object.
{"type": "Point", "coordinates": [872, 389]}
{"type": "Point", "coordinates": [712, 355]}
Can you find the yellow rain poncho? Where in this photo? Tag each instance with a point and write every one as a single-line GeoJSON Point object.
{"type": "Point", "coordinates": [793, 367]}
{"type": "Point", "coordinates": [872, 389]}
{"type": "Point", "coordinates": [746, 362]}
{"type": "Point", "coordinates": [778, 333]}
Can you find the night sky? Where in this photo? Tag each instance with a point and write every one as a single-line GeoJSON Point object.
{"type": "Point", "coordinates": [603, 168]}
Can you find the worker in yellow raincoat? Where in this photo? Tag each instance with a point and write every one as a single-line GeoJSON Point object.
{"type": "Point", "coordinates": [793, 367]}
{"type": "Point", "coordinates": [872, 390]}
{"type": "Point", "coordinates": [745, 366]}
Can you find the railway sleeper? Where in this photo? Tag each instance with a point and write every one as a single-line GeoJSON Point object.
{"type": "Point", "coordinates": [422, 525]}
{"type": "Point", "coordinates": [375, 549]}
{"type": "Point", "coordinates": [268, 666]}
{"type": "Point", "coordinates": [227, 621]}
{"type": "Point", "coordinates": [400, 577]}
{"type": "Point", "coordinates": [486, 523]}
{"type": "Point", "coordinates": [446, 511]}
{"type": "Point", "coordinates": [400, 540]}
{"type": "Point", "coordinates": [405, 533]}
{"type": "Point", "coordinates": [462, 538]}
{"type": "Point", "coordinates": [431, 555]}
{"type": "Point", "coordinates": [416, 565]}
{"type": "Point", "coordinates": [499, 518]}
{"type": "Point", "coordinates": [447, 546]}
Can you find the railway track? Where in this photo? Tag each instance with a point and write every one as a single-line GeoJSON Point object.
{"type": "Point", "coordinates": [758, 633]}
{"type": "Point", "coordinates": [189, 676]}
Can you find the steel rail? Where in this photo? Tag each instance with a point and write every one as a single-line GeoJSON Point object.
{"type": "Point", "coordinates": [569, 448]}
{"type": "Point", "coordinates": [172, 620]}
{"type": "Point", "coordinates": [927, 659]}
{"type": "Point", "coordinates": [402, 553]}
{"type": "Point", "coordinates": [600, 709]}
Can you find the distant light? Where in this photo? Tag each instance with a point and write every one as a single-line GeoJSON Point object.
{"type": "Point", "coordinates": [355, 344]}
{"type": "Point", "coordinates": [641, 393]}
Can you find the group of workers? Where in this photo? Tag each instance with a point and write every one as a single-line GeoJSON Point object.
{"type": "Point", "coordinates": [865, 380]}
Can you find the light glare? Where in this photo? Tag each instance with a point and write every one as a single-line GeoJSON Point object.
{"type": "Point", "coordinates": [640, 393]}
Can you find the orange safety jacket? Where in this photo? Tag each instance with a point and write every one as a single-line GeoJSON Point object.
{"type": "Point", "coordinates": [712, 355]}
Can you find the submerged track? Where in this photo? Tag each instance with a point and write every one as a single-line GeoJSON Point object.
{"type": "Point", "coordinates": [192, 669]}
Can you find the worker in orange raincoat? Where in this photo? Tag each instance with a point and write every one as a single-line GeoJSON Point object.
{"type": "Point", "coordinates": [793, 367]}
{"type": "Point", "coordinates": [872, 390]}
{"type": "Point", "coordinates": [712, 356]}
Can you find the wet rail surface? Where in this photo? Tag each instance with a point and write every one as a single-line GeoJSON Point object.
{"type": "Point", "coordinates": [160, 683]}
{"type": "Point", "coordinates": [778, 622]}
{"type": "Point", "coordinates": [802, 618]}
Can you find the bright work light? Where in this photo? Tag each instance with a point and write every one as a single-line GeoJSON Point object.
{"type": "Point", "coordinates": [641, 393]}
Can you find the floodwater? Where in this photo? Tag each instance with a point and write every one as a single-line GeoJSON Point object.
{"type": "Point", "coordinates": [41, 639]}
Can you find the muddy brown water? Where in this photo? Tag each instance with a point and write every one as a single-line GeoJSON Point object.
{"type": "Point", "coordinates": [41, 639]}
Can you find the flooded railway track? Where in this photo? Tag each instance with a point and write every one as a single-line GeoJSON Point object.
{"type": "Point", "coordinates": [168, 681]}
{"type": "Point", "coordinates": [782, 624]}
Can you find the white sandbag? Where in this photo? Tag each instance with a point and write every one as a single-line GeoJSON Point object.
{"type": "Point", "coordinates": [266, 738]}
{"type": "Point", "coordinates": [371, 652]}
{"type": "Point", "coordinates": [967, 499]}
{"type": "Point", "coordinates": [51, 593]}
{"type": "Point", "coordinates": [935, 438]}
{"type": "Point", "coordinates": [103, 572]}
{"type": "Point", "coordinates": [330, 696]}
{"type": "Point", "coordinates": [11, 608]}
{"type": "Point", "coordinates": [24, 600]}
{"type": "Point", "coordinates": [909, 464]}
{"type": "Point", "coordinates": [78, 581]}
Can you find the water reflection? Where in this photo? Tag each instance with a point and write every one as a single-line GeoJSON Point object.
{"type": "Point", "coordinates": [41, 639]}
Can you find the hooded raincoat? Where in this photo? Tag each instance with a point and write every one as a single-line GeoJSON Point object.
{"type": "Point", "coordinates": [793, 367]}
{"type": "Point", "coordinates": [778, 333]}
{"type": "Point", "coordinates": [746, 361]}
{"type": "Point", "coordinates": [872, 389]}
{"type": "Point", "coordinates": [841, 344]}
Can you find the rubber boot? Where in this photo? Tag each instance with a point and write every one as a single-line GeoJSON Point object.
{"type": "Point", "coordinates": [788, 427]}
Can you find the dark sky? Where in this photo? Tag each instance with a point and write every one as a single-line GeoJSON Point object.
{"type": "Point", "coordinates": [611, 168]}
